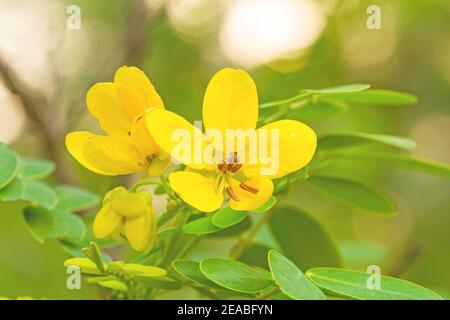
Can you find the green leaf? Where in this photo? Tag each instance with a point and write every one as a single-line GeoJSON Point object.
{"type": "Point", "coordinates": [236, 275]}
{"type": "Point", "coordinates": [86, 265]}
{"type": "Point", "coordinates": [232, 231]}
{"type": "Point", "coordinates": [114, 285]}
{"type": "Point", "coordinates": [35, 168]}
{"type": "Point", "coordinates": [29, 190]}
{"type": "Point", "coordinates": [227, 217]}
{"type": "Point", "coordinates": [191, 271]}
{"type": "Point", "coordinates": [255, 255]}
{"type": "Point", "coordinates": [68, 225]}
{"type": "Point", "coordinates": [291, 280]}
{"type": "Point", "coordinates": [319, 110]}
{"type": "Point", "coordinates": [354, 193]}
{"type": "Point", "coordinates": [201, 226]}
{"type": "Point", "coordinates": [357, 285]}
{"type": "Point", "coordinates": [379, 97]}
{"type": "Point", "coordinates": [303, 239]}
{"type": "Point", "coordinates": [349, 88]}
{"type": "Point", "coordinates": [348, 139]}
{"type": "Point", "coordinates": [74, 199]}
{"type": "Point", "coordinates": [266, 206]}
{"type": "Point", "coordinates": [158, 282]}
{"type": "Point", "coordinates": [9, 165]}
{"type": "Point", "coordinates": [40, 223]}
{"type": "Point", "coordinates": [403, 161]}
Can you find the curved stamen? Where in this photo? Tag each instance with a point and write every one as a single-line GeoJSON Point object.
{"type": "Point", "coordinates": [248, 188]}
{"type": "Point", "coordinates": [232, 194]}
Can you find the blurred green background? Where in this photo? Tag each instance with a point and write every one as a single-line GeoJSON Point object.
{"type": "Point", "coordinates": [286, 45]}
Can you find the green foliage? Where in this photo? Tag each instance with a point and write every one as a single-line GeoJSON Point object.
{"type": "Point", "coordinates": [35, 168]}
{"type": "Point", "coordinates": [191, 271]}
{"type": "Point", "coordinates": [60, 221]}
{"type": "Point", "coordinates": [354, 193]}
{"type": "Point", "coordinates": [29, 190]}
{"type": "Point", "coordinates": [354, 285]}
{"type": "Point", "coordinates": [303, 239]}
{"type": "Point", "coordinates": [291, 280]}
{"type": "Point", "coordinates": [9, 164]}
{"type": "Point", "coordinates": [235, 275]}
{"type": "Point", "coordinates": [403, 161]}
{"type": "Point", "coordinates": [348, 139]}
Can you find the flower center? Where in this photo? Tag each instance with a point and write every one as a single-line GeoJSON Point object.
{"type": "Point", "coordinates": [230, 166]}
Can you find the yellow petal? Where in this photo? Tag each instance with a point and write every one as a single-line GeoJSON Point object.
{"type": "Point", "coordinates": [158, 165]}
{"type": "Point", "coordinates": [74, 143]}
{"type": "Point", "coordinates": [141, 137]}
{"type": "Point", "coordinates": [230, 102]}
{"type": "Point", "coordinates": [106, 221]}
{"type": "Point", "coordinates": [136, 80]}
{"type": "Point", "coordinates": [295, 148]}
{"type": "Point", "coordinates": [176, 137]}
{"type": "Point", "coordinates": [131, 204]}
{"type": "Point", "coordinates": [198, 190]}
{"type": "Point", "coordinates": [112, 156]}
{"type": "Point", "coordinates": [141, 231]}
{"type": "Point", "coordinates": [248, 200]}
{"type": "Point", "coordinates": [105, 105]}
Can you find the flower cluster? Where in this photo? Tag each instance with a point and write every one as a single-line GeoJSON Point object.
{"type": "Point", "coordinates": [140, 138]}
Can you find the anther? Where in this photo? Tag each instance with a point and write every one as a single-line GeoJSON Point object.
{"type": "Point", "coordinates": [232, 194]}
{"type": "Point", "coordinates": [248, 188]}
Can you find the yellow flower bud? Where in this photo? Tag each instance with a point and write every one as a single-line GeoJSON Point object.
{"type": "Point", "coordinates": [128, 214]}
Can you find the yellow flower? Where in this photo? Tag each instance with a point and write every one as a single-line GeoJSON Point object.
{"type": "Point", "coordinates": [119, 107]}
{"type": "Point", "coordinates": [129, 215]}
{"type": "Point", "coordinates": [230, 102]}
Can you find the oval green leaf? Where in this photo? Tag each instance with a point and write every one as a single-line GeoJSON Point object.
{"type": "Point", "coordinates": [74, 199]}
{"type": "Point", "coordinates": [227, 217]}
{"type": "Point", "coordinates": [291, 280]}
{"type": "Point", "coordinates": [40, 223]}
{"type": "Point", "coordinates": [348, 88]}
{"type": "Point", "coordinates": [403, 161]}
{"type": "Point", "coordinates": [236, 275]}
{"type": "Point", "coordinates": [379, 97]}
{"type": "Point", "coordinates": [360, 285]}
{"type": "Point", "coordinates": [35, 168]}
{"type": "Point", "coordinates": [201, 226]}
{"type": "Point", "coordinates": [354, 193]}
{"type": "Point", "coordinates": [232, 231]}
{"type": "Point", "coordinates": [191, 271]}
{"type": "Point", "coordinates": [9, 165]}
{"type": "Point", "coordinates": [68, 225]}
{"type": "Point", "coordinates": [29, 190]}
{"type": "Point", "coordinates": [348, 139]}
{"type": "Point", "coordinates": [303, 239]}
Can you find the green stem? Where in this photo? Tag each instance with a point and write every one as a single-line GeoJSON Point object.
{"type": "Point", "coordinates": [246, 241]}
{"type": "Point", "coordinates": [268, 294]}
{"type": "Point", "coordinates": [143, 183]}
{"type": "Point", "coordinates": [166, 187]}
{"type": "Point", "coordinates": [191, 243]}
{"type": "Point", "coordinates": [183, 215]}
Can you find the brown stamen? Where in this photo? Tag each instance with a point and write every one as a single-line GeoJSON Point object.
{"type": "Point", "coordinates": [236, 167]}
{"type": "Point", "coordinates": [248, 188]}
{"type": "Point", "coordinates": [232, 194]}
